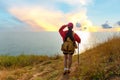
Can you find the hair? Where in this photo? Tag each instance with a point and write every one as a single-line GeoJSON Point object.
{"type": "Point", "coordinates": [69, 34]}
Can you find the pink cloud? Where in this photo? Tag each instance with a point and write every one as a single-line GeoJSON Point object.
{"type": "Point", "coordinates": [48, 20]}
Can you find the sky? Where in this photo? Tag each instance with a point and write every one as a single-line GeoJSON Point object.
{"type": "Point", "coordinates": [50, 15]}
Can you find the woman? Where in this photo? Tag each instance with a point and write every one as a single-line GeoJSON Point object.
{"type": "Point", "coordinates": [67, 36]}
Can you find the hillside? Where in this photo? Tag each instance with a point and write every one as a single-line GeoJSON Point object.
{"type": "Point", "coordinates": [98, 63]}
{"type": "Point", "coordinates": [101, 62]}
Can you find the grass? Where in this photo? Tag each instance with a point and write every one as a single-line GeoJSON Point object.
{"type": "Point", "coordinates": [7, 61]}
{"type": "Point", "coordinates": [24, 67]}
{"type": "Point", "coordinates": [101, 62]}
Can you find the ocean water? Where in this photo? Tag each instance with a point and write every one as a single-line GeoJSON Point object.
{"type": "Point", "coordinates": [41, 43]}
{"type": "Point", "coordinates": [46, 43]}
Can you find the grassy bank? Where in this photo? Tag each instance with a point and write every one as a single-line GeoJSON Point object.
{"type": "Point", "coordinates": [101, 62]}
{"type": "Point", "coordinates": [7, 61]}
{"type": "Point", "coordinates": [26, 67]}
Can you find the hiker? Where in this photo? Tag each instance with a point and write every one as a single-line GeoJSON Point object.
{"type": "Point", "coordinates": [69, 45]}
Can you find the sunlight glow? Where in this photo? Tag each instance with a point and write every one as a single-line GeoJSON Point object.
{"type": "Point", "coordinates": [84, 40]}
{"type": "Point", "coordinates": [47, 26]}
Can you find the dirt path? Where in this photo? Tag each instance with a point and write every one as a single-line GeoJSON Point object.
{"type": "Point", "coordinates": [69, 76]}
{"type": "Point", "coordinates": [64, 77]}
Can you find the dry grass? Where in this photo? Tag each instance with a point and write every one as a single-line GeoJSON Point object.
{"type": "Point", "coordinates": [101, 62]}
{"type": "Point", "coordinates": [30, 67]}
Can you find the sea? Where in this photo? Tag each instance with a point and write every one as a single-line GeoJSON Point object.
{"type": "Point", "coordinates": [39, 43]}
{"type": "Point", "coordinates": [46, 43]}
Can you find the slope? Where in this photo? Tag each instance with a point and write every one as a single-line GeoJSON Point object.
{"type": "Point", "coordinates": [101, 62]}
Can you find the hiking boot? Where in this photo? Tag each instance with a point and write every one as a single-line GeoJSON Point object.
{"type": "Point", "coordinates": [65, 72]}
{"type": "Point", "coordinates": [68, 71]}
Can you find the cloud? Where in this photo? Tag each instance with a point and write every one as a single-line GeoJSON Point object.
{"type": "Point", "coordinates": [42, 19]}
{"type": "Point", "coordinates": [106, 26]}
{"type": "Point", "coordinates": [47, 17]}
{"type": "Point", "coordinates": [38, 17]}
{"type": "Point", "coordinates": [44, 15]}
{"type": "Point", "coordinates": [76, 2]}
{"type": "Point", "coordinates": [118, 23]}
{"type": "Point", "coordinates": [16, 19]}
{"type": "Point", "coordinates": [48, 20]}
{"type": "Point", "coordinates": [78, 25]}
{"type": "Point", "coordinates": [9, 22]}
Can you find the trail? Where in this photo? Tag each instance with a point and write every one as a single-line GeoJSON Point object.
{"type": "Point", "coordinates": [71, 74]}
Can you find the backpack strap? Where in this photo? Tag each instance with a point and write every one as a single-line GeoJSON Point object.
{"type": "Point", "coordinates": [74, 43]}
{"type": "Point", "coordinates": [73, 33]}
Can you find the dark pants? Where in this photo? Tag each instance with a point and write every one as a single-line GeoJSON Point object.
{"type": "Point", "coordinates": [67, 53]}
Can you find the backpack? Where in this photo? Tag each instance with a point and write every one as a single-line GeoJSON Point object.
{"type": "Point", "coordinates": [68, 46]}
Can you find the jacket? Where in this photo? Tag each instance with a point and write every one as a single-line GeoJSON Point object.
{"type": "Point", "coordinates": [63, 34]}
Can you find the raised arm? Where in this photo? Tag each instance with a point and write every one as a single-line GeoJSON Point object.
{"type": "Point", "coordinates": [61, 30]}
